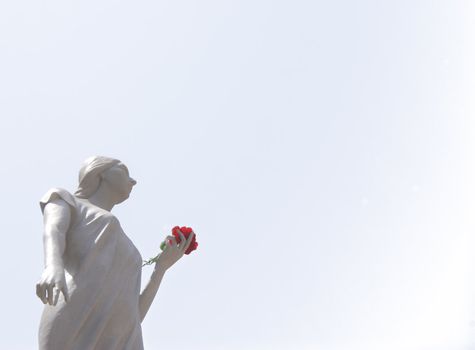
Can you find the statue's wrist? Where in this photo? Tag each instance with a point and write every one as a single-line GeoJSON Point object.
{"type": "Point", "coordinates": [56, 266]}
{"type": "Point", "coordinates": [159, 268]}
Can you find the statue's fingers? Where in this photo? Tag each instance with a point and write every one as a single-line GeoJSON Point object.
{"type": "Point", "coordinates": [50, 294]}
{"type": "Point", "coordinates": [166, 243]}
{"type": "Point", "coordinates": [56, 295]}
{"type": "Point", "coordinates": [190, 239]}
{"type": "Point", "coordinates": [40, 292]}
{"type": "Point", "coordinates": [183, 240]}
{"type": "Point", "coordinates": [43, 297]}
{"type": "Point", "coordinates": [38, 288]}
{"type": "Point", "coordinates": [173, 241]}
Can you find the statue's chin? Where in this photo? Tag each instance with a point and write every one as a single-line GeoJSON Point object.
{"type": "Point", "coordinates": [123, 198]}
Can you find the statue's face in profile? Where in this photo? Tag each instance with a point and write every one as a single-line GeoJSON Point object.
{"type": "Point", "coordinates": [119, 181]}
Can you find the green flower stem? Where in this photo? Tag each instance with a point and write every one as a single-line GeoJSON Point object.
{"type": "Point", "coordinates": [154, 259]}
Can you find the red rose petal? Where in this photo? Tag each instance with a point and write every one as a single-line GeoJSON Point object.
{"type": "Point", "coordinates": [185, 229]}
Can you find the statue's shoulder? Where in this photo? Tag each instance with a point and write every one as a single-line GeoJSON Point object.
{"type": "Point", "coordinates": [57, 193]}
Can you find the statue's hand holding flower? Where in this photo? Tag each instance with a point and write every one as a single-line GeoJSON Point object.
{"type": "Point", "coordinates": [181, 242]}
{"type": "Point", "coordinates": [186, 232]}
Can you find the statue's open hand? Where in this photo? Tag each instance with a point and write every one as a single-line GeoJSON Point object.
{"type": "Point", "coordinates": [173, 250]}
{"type": "Point", "coordinates": [51, 284]}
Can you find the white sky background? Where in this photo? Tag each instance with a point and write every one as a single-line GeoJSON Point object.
{"type": "Point", "coordinates": [323, 151]}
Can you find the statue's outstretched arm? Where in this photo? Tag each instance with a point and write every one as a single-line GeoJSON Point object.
{"type": "Point", "coordinates": [172, 253]}
{"type": "Point", "coordinates": [57, 217]}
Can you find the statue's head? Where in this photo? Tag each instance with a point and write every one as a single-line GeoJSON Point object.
{"type": "Point", "coordinates": [104, 171]}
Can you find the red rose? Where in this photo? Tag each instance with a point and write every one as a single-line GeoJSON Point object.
{"type": "Point", "coordinates": [186, 232]}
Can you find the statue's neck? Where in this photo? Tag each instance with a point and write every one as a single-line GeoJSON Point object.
{"type": "Point", "coordinates": [103, 199]}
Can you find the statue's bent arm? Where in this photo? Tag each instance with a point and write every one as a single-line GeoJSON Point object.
{"type": "Point", "coordinates": [57, 218]}
{"type": "Point", "coordinates": [166, 259]}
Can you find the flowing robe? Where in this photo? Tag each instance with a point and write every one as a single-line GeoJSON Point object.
{"type": "Point", "coordinates": [103, 273]}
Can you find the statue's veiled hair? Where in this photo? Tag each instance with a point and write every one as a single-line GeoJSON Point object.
{"type": "Point", "coordinates": [90, 174]}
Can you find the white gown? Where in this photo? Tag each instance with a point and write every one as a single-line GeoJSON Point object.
{"type": "Point", "coordinates": [103, 272]}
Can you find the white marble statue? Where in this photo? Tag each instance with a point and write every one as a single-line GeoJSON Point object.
{"type": "Point", "coordinates": [91, 281]}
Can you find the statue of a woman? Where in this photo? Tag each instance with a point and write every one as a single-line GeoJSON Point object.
{"type": "Point", "coordinates": [91, 282]}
